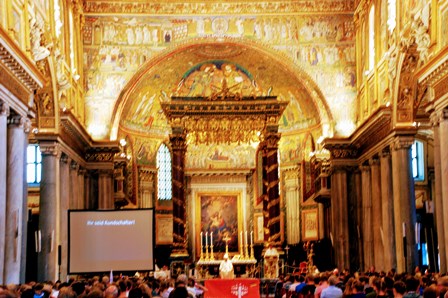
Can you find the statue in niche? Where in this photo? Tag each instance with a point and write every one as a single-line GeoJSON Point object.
{"type": "Point", "coordinates": [36, 28]}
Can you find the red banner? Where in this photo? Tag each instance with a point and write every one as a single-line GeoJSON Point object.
{"type": "Point", "coordinates": [232, 288]}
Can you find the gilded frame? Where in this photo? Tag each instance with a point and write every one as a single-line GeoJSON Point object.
{"type": "Point", "coordinates": [310, 224]}
{"type": "Point", "coordinates": [164, 229]}
{"type": "Point", "coordinates": [227, 206]}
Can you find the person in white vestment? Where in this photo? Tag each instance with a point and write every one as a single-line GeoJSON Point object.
{"type": "Point", "coordinates": [226, 268]}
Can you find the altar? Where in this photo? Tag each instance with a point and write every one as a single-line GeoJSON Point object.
{"type": "Point", "coordinates": [208, 269]}
{"type": "Point", "coordinates": [231, 288]}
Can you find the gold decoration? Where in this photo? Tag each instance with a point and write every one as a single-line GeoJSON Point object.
{"type": "Point", "coordinates": [223, 117]}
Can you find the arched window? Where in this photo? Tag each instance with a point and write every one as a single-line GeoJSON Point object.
{"type": "Point", "coordinates": [371, 37]}
{"type": "Point", "coordinates": [164, 178]}
{"type": "Point", "coordinates": [417, 162]}
{"type": "Point", "coordinates": [33, 164]}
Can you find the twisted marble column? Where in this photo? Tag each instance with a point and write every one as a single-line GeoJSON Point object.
{"type": "Point", "coordinates": [179, 147]}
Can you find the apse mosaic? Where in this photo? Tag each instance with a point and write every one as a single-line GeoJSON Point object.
{"type": "Point", "coordinates": [116, 46]}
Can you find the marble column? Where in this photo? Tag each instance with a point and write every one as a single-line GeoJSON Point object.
{"type": "Point", "coordinates": [179, 147]}
{"type": "Point", "coordinates": [377, 230]}
{"type": "Point", "coordinates": [339, 211]}
{"type": "Point", "coordinates": [387, 211]}
{"type": "Point", "coordinates": [404, 197]}
{"type": "Point", "coordinates": [64, 206]}
{"type": "Point", "coordinates": [272, 208]}
{"type": "Point", "coordinates": [49, 212]}
{"type": "Point", "coordinates": [443, 143]}
{"type": "Point", "coordinates": [74, 186]}
{"type": "Point", "coordinates": [81, 192]}
{"type": "Point", "coordinates": [367, 228]}
{"type": "Point", "coordinates": [105, 189]}
{"type": "Point", "coordinates": [292, 209]}
{"type": "Point", "coordinates": [25, 213]}
{"type": "Point", "coordinates": [359, 212]}
{"type": "Point", "coordinates": [14, 199]}
{"type": "Point", "coordinates": [438, 197]}
{"type": "Point", "coordinates": [4, 113]}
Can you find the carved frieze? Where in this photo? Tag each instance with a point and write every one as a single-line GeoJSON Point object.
{"type": "Point", "coordinates": [228, 7]}
{"type": "Point", "coordinates": [97, 155]}
{"type": "Point", "coordinates": [343, 153]}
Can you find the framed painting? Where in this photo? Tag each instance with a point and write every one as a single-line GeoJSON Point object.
{"type": "Point", "coordinates": [164, 229]}
{"type": "Point", "coordinates": [219, 221]}
{"type": "Point", "coordinates": [310, 224]}
{"type": "Point", "coordinates": [258, 228]}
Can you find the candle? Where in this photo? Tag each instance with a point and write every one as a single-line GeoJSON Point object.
{"type": "Point", "coordinates": [206, 238]}
{"type": "Point", "coordinates": [404, 230]}
{"type": "Point", "coordinates": [241, 239]}
{"type": "Point", "coordinates": [211, 238]}
{"type": "Point", "coordinates": [246, 238]}
{"type": "Point", "coordinates": [251, 237]}
{"type": "Point", "coordinates": [201, 240]}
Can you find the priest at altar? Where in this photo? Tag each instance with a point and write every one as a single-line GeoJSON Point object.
{"type": "Point", "coordinates": [226, 268]}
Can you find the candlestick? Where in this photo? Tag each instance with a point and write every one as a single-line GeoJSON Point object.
{"type": "Point", "coordinates": [202, 250]}
{"type": "Point", "coordinates": [247, 247]}
{"type": "Point", "coordinates": [212, 257]}
{"type": "Point", "coordinates": [241, 244]}
{"type": "Point", "coordinates": [206, 246]}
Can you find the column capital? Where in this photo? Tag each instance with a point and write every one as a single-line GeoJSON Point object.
{"type": "Point", "coordinates": [438, 116]}
{"type": "Point", "coordinates": [53, 149]}
{"type": "Point", "coordinates": [65, 158]}
{"type": "Point", "coordinates": [402, 142]}
{"type": "Point", "coordinates": [178, 141]}
{"type": "Point", "coordinates": [74, 165]}
{"type": "Point", "coordinates": [4, 109]}
{"type": "Point", "coordinates": [271, 140]}
{"type": "Point", "coordinates": [385, 152]}
{"type": "Point", "coordinates": [375, 161]}
{"type": "Point", "coordinates": [364, 168]}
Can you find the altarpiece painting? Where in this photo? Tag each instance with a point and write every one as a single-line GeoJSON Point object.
{"type": "Point", "coordinates": [220, 221]}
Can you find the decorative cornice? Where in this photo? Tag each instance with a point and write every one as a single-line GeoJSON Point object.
{"type": "Point", "coordinates": [373, 130]}
{"type": "Point", "coordinates": [176, 7]}
{"type": "Point", "coordinates": [18, 63]}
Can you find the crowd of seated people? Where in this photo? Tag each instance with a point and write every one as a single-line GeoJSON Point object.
{"type": "Point", "coordinates": [331, 284]}
{"type": "Point", "coordinates": [370, 284]}
{"type": "Point", "coordinates": [119, 287]}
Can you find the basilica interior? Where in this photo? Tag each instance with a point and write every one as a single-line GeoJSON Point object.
{"type": "Point", "coordinates": [301, 124]}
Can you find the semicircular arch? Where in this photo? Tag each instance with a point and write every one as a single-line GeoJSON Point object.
{"type": "Point", "coordinates": [271, 69]}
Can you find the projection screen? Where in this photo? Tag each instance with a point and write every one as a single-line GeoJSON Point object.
{"type": "Point", "coordinates": [117, 240]}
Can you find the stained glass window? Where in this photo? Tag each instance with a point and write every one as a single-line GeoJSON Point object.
{"type": "Point", "coordinates": [164, 183]}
